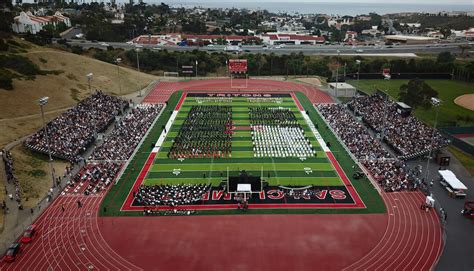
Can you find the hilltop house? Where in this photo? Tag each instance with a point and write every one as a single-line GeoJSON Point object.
{"type": "Point", "coordinates": [27, 22]}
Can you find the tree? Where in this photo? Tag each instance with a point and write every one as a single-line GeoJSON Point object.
{"type": "Point", "coordinates": [464, 47]}
{"type": "Point", "coordinates": [445, 57]}
{"type": "Point", "coordinates": [446, 32]}
{"type": "Point", "coordinates": [417, 93]}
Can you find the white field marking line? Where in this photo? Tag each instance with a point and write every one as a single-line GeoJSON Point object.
{"type": "Point", "coordinates": [19, 262]}
{"type": "Point", "coordinates": [44, 240]}
{"type": "Point", "coordinates": [122, 170]}
{"type": "Point", "coordinates": [53, 231]}
{"type": "Point", "coordinates": [401, 247]}
{"type": "Point", "coordinates": [94, 240]}
{"type": "Point", "coordinates": [91, 254]}
{"type": "Point", "coordinates": [392, 238]}
{"type": "Point", "coordinates": [74, 243]}
{"type": "Point", "coordinates": [439, 231]}
{"type": "Point", "coordinates": [155, 150]}
{"type": "Point", "coordinates": [418, 227]}
{"type": "Point", "coordinates": [425, 244]}
{"type": "Point", "coordinates": [390, 220]}
{"type": "Point", "coordinates": [41, 220]}
{"type": "Point", "coordinates": [164, 133]}
{"type": "Point", "coordinates": [434, 219]}
{"type": "Point", "coordinates": [106, 246]}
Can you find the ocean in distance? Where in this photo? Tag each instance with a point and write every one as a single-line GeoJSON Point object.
{"type": "Point", "coordinates": [339, 8]}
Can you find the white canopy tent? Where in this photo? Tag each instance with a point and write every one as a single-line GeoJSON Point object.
{"type": "Point", "coordinates": [449, 177]}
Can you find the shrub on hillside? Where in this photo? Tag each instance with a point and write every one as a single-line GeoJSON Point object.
{"type": "Point", "coordinates": [19, 64]}
{"type": "Point", "coordinates": [6, 79]}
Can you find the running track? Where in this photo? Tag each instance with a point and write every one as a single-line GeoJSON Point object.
{"type": "Point", "coordinates": [406, 238]}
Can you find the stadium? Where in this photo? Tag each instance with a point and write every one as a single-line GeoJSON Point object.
{"type": "Point", "coordinates": [232, 173]}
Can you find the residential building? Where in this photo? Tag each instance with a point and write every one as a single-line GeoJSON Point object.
{"type": "Point", "coordinates": [27, 22]}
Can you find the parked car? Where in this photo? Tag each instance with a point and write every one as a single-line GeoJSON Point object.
{"type": "Point", "coordinates": [104, 44]}
{"type": "Point", "coordinates": [29, 234]}
{"type": "Point", "coordinates": [12, 251]}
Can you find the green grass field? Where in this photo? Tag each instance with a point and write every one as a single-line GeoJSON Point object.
{"type": "Point", "coordinates": [284, 171]}
{"type": "Point", "coordinates": [277, 171]}
{"type": "Point", "coordinates": [447, 90]}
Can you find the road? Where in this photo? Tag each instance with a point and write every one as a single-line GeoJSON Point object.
{"type": "Point", "coordinates": [305, 49]}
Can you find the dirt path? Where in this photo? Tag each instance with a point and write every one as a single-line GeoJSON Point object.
{"type": "Point", "coordinates": [466, 101]}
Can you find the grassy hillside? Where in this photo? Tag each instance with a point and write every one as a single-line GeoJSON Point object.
{"type": "Point", "coordinates": [447, 90]}
{"type": "Point", "coordinates": [19, 112]}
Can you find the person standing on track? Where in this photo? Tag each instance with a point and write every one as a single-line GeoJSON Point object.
{"type": "Point", "coordinates": [62, 208]}
{"type": "Point", "coordinates": [79, 204]}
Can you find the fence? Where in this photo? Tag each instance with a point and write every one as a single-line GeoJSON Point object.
{"type": "Point", "coordinates": [451, 132]}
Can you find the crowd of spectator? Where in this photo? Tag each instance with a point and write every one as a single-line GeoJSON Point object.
{"type": "Point", "coordinates": [11, 178]}
{"type": "Point", "coordinates": [391, 174]}
{"type": "Point", "coordinates": [97, 176]}
{"type": "Point", "coordinates": [119, 145]}
{"type": "Point", "coordinates": [354, 134]}
{"type": "Point", "coordinates": [170, 195]}
{"type": "Point", "coordinates": [73, 131]}
{"type": "Point", "coordinates": [406, 135]}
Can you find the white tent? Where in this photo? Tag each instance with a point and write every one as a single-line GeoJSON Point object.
{"type": "Point", "coordinates": [452, 180]}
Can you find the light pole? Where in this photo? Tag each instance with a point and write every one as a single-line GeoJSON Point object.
{"type": "Point", "coordinates": [42, 102]}
{"type": "Point", "coordinates": [358, 72]}
{"type": "Point", "coordinates": [337, 71]}
{"type": "Point", "coordinates": [117, 61]}
{"type": "Point", "coordinates": [138, 69]}
{"type": "Point", "coordinates": [196, 68]}
{"type": "Point", "coordinates": [90, 77]}
{"type": "Point", "coordinates": [436, 103]}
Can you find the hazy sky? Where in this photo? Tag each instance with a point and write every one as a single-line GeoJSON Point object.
{"type": "Point", "coordinates": [418, 2]}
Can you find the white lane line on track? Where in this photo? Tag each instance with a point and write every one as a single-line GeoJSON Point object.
{"type": "Point", "coordinates": [420, 242]}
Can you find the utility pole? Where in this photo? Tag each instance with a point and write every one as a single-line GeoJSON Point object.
{"type": "Point", "coordinates": [42, 102]}
{"type": "Point", "coordinates": [90, 77]}
{"type": "Point", "coordinates": [437, 103]}
{"type": "Point", "coordinates": [118, 60]}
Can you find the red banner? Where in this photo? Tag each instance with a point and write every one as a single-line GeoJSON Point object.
{"type": "Point", "coordinates": [238, 65]}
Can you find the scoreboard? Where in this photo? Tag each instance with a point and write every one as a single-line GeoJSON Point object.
{"type": "Point", "coordinates": [238, 65]}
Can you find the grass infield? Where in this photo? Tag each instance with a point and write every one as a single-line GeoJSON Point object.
{"type": "Point", "coordinates": [277, 171]}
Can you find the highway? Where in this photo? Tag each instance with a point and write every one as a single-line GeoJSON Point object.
{"type": "Point", "coordinates": [288, 49]}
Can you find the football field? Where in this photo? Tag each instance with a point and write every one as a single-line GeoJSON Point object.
{"type": "Point", "coordinates": [326, 172]}
{"type": "Point", "coordinates": [293, 171]}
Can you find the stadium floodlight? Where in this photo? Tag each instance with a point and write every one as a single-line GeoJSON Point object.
{"type": "Point", "coordinates": [435, 102]}
{"type": "Point", "coordinates": [42, 102]}
{"type": "Point", "coordinates": [117, 61]}
{"type": "Point", "coordinates": [337, 72]}
{"type": "Point", "coordinates": [358, 71]}
{"type": "Point", "coordinates": [90, 76]}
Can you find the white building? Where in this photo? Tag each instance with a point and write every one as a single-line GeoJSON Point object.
{"type": "Point", "coordinates": [341, 90]}
{"type": "Point", "coordinates": [27, 22]}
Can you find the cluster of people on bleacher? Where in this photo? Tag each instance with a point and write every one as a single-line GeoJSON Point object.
{"type": "Point", "coordinates": [277, 133]}
{"type": "Point", "coordinates": [122, 141]}
{"type": "Point", "coordinates": [205, 133]}
{"type": "Point", "coordinates": [406, 135]}
{"type": "Point", "coordinates": [392, 174]}
{"type": "Point", "coordinates": [354, 134]}
{"type": "Point", "coordinates": [97, 175]}
{"type": "Point", "coordinates": [11, 178]}
{"type": "Point", "coordinates": [170, 195]}
{"type": "Point", "coordinates": [73, 131]}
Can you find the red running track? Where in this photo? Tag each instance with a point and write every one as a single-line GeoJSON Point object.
{"type": "Point", "coordinates": [406, 238]}
{"type": "Point", "coordinates": [164, 89]}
